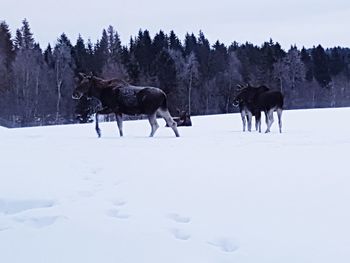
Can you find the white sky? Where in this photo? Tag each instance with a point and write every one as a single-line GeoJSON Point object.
{"type": "Point", "coordinates": [301, 22]}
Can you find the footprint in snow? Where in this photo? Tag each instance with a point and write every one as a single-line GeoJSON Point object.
{"type": "Point", "coordinates": [38, 222]}
{"type": "Point", "coordinates": [178, 218]}
{"type": "Point", "coordinates": [225, 244]}
{"type": "Point", "coordinates": [117, 214]}
{"type": "Point", "coordinates": [119, 203]}
{"type": "Point", "coordinates": [10, 207]}
{"type": "Point", "coordinates": [3, 228]}
{"type": "Point", "coordinates": [180, 234]}
{"type": "Point", "coordinates": [177, 232]}
{"type": "Point", "coordinates": [96, 170]}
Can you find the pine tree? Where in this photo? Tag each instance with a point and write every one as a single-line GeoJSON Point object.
{"type": "Point", "coordinates": [101, 53]}
{"type": "Point", "coordinates": [166, 71]}
{"type": "Point", "coordinates": [218, 59]}
{"type": "Point", "coordinates": [306, 59]}
{"type": "Point", "coordinates": [190, 44]}
{"type": "Point", "coordinates": [24, 37]}
{"type": "Point", "coordinates": [114, 44]}
{"type": "Point", "coordinates": [80, 55]}
{"type": "Point", "coordinates": [6, 59]}
{"type": "Point", "coordinates": [143, 53]}
{"type": "Point", "coordinates": [18, 40]}
{"type": "Point", "coordinates": [160, 42]}
{"type": "Point", "coordinates": [336, 61]}
{"type": "Point", "coordinates": [174, 42]}
{"type": "Point", "coordinates": [6, 44]}
{"type": "Point", "coordinates": [321, 66]}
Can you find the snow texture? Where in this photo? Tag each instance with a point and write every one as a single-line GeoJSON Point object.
{"type": "Point", "coordinates": [214, 195]}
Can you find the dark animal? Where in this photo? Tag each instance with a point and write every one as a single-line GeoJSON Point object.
{"type": "Point", "coordinates": [184, 119]}
{"type": "Point", "coordinates": [247, 109]}
{"type": "Point", "coordinates": [119, 97]}
{"type": "Point", "coordinates": [259, 99]}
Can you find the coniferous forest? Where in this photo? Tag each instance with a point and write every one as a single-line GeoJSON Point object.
{"type": "Point", "coordinates": [200, 77]}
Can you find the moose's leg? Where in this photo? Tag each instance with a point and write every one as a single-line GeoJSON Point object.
{"type": "Point", "coordinates": [103, 111]}
{"type": "Point", "coordinates": [267, 121]}
{"type": "Point", "coordinates": [119, 118]}
{"type": "Point", "coordinates": [279, 114]}
{"type": "Point", "coordinates": [258, 121]}
{"type": "Point", "coordinates": [249, 119]}
{"type": "Point", "coordinates": [97, 128]}
{"type": "Point", "coordinates": [243, 119]}
{"type": "Point", "coordinates": [154, 125]}
{"type": "Point", "coordinates": [169, 120]}
{"type": "Point", "coordinates": [266, 118]}
{"type": "Point", "coordinates": [270, 118]}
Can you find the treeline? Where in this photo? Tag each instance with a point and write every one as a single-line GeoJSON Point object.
{"type": "Point", "coordinates": [36, 85]}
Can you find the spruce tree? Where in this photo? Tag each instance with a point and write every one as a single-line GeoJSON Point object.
{"type": "Point", "coordinates": [320, 62]}
{"type": "Point", "coordinates": [190, 44]}
{"type": "Point", "coordinates": [336, 61]}
{"type": "Point", "coordinates": [6, 44]}
{"type": "Point", "coordinates": [80, 56]}
{"type": "Point", "coordinates": [174, 42]}
{"type": "Point", "coordinates": [160, 42]}
{"type": "Point", "coordinates": [306, 59]}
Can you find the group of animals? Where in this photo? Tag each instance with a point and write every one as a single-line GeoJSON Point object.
{"type": "Point", "coordinates": [254, 100]}
{"type": "Point", "coordinates": [119, 97]}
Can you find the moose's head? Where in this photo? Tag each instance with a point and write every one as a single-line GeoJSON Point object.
{"type": "Point", "coordinates": [83, 84]}
{"type": "Point", "coordinates": [241, 94]}
{"type": "Point", "coordinates": [247, 93]}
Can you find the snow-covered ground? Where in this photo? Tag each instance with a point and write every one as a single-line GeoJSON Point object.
{"type": "Point", "coordinates": [214, 195]}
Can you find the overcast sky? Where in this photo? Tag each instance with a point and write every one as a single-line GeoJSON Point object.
{"type": "Point", "coordinates": [301, 22]}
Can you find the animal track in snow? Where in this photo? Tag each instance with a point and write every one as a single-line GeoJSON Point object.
{"type": "Point", "coordinates": [117, 214]}
{"type": "Point", "coordinates": [38, 222]}
{"type": "Point", "coordinates": [119, 203]}
{"type": "Point", "coordinates": [177, 232]}
{"type": "Point", "coordinates": [10, 207]}
{"type": "Point", "coordinates": [178, 218]}
{"type": "Point", "coordinates": [180, 234]}
{"type": "Point", "coordinates": [96, 170]}
{"type": "Point", "coordinates": [225, 244]}
{"type": "Point", "coordinates": [3, 228]}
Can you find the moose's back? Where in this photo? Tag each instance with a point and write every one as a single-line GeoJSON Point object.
{"type": "Point", "coordinates": [139, 100]}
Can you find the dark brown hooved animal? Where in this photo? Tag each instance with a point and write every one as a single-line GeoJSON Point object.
{"type": "Point", "coordinates": [119, 97]}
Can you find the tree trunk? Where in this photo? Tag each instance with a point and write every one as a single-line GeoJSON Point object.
{"type": "Point", "coordinates": [58, 86]}
{"type": "Point", "coordinates": [228, 97]}
{"type": "Point", "coordinates": [189, 94]}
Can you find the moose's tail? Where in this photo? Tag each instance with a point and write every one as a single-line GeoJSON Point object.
{"type": "Point", "coordinates": [164, 105]}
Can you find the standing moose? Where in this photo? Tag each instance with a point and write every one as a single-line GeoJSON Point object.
{"type": "Point", "coordinates": [257, 99]}
{"type": "Point", "coordinates": [119, 97]}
